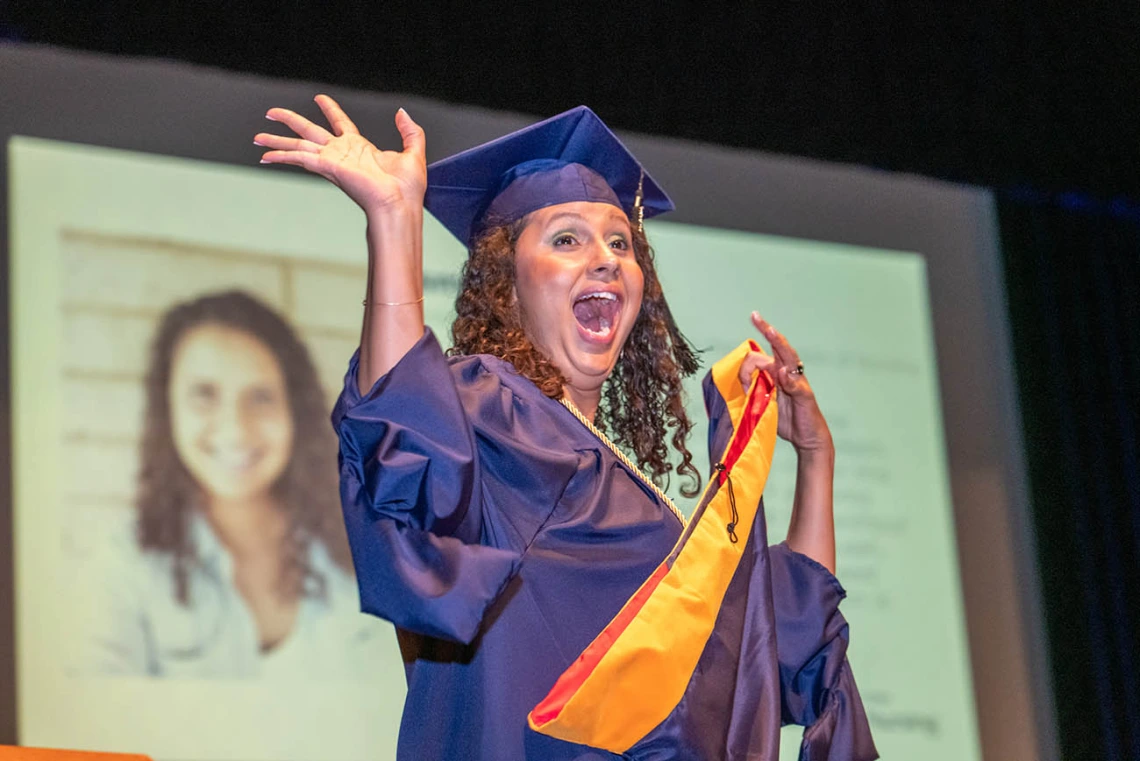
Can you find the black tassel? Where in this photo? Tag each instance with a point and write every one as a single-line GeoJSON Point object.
{"type": "Point", "coordinates": [731, 503]}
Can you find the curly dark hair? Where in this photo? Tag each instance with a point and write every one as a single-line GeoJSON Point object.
{"type": "Point", "coordinates": [306, 490]}
{"type": "Point", "coordinates": [641, 400]}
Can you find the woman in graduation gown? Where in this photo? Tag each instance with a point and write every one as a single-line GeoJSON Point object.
{"type": "Point", "coordinates": [551, 602]}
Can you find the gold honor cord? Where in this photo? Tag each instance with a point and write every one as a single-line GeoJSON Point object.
{"type": "Point", "coordinates": [622, 457]}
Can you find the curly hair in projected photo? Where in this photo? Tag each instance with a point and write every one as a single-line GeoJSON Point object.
{"type": "Point", "coordinates": [643, 397]}
{"type": "Point", "coordinates": [236, 426]}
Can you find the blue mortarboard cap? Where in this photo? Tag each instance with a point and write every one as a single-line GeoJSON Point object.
{"type": "Point", "coordinates": [569, 157]}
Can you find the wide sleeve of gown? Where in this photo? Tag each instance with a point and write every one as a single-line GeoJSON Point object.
{"type": "Point", "coordinates": [817, 689]}
{"type": "Point", "coordinates": [412, 499]}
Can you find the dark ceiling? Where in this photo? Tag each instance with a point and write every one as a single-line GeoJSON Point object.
{"type": "Point", "coordinates": [1003, 94]}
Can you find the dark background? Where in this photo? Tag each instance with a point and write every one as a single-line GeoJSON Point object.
{"type": "Point", "coordinates": [994, 94]}
{"type": "Point", "coordinates": [1040, 101]}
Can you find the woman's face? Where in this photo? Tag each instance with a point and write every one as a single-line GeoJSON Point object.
{"type": "Point", "coordinates": [579, 288]}
{"type": "Point", "coordinates": [229, 409]}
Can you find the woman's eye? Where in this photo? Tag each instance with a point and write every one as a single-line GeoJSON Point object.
{"type": "Point", "coordinates": [621, 244]}
{"type": "Point", "coordinates": [262, 397]}
{"type": "Point", "coordinates": [203, 394]}
{"type": "Point", "coordinates": [566, 239]}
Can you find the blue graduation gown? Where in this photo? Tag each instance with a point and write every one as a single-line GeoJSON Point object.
{"type": "Point", "coordinates": [500, 537]}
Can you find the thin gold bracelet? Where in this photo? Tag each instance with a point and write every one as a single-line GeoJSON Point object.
{"type": "Point", "coordinates": [366, 302]}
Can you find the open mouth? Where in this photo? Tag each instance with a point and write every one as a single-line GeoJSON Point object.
{"type": "Point", "coordinates": [597, 314]}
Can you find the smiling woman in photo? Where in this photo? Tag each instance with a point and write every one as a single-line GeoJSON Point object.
{"type": "Point", "coordinates": [239, 565]}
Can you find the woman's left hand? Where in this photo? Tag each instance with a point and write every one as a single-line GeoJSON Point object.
{"type": "Point", "coordinates": [800, 419]}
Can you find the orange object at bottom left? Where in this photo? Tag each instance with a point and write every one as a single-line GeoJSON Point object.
{"type": "Point", "coordinates": [16, 753]}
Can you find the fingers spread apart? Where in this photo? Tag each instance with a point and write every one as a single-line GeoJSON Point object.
{"type": "Point", "coordinates": [300, 125]}
{"type": "Point", "coordinates": [338, 119]}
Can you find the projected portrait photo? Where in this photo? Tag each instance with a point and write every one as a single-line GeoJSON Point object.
{"type": "Point", "coordinates": [220, 551]}
{"type": "Point", "coordinates": [235, 563]}
{"type": "Point", "coordinates": [237, 495]}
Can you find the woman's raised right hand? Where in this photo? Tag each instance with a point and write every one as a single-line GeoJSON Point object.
{"type": "Point", "coordinates": [376, 180]}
